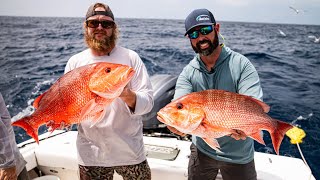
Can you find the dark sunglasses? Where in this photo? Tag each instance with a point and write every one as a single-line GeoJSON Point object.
{"type": "Point", "coordinates": [204, 31]}
{"type": "Point", "coordinates": [104, 24]}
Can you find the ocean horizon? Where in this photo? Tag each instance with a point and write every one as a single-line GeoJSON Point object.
{"type": "Point", "coordinates": [133, 18]}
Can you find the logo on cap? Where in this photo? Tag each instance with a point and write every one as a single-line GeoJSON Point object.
{"type": "Point", "coordinates": [203, 18]}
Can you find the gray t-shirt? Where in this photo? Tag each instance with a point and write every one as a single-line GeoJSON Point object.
{"type": "Point", "coordinates": [232, 72]}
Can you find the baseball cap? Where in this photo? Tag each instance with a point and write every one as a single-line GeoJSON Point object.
{"type": "Point", "coordinates": [199, 17]}
{"type": "Point", "coordinates": [91, 11]}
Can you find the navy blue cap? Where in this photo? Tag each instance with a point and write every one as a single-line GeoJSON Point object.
{"type": "Point", "coordinates": [198, 17]}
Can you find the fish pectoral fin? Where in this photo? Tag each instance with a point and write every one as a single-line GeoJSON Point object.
{"type": "Point", "coordinates": [210, 127]}
{"type": "Point", "coordinates": [98, 117]}
{"type": "Point", "coordinates": [108, 95]}
{"type": "Point", "coordinates": [213, 143]}
{"type": "Point", "coordinates": [37, 100]}
{"type": "Point", "coordinates": [87, 109]}
{"type": "Point", "coordinates": [92, 111]}
{"type": "Point", "coordinates": [105, 95]}
{"type": "Point", "coordinates": [258, 136]}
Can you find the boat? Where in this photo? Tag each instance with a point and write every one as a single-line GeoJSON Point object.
{"type": "Point", "coordinates": [55, 157]}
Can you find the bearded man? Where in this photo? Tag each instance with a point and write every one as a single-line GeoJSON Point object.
{"type": "Point", "coordinates": [216, 66]}
{"type": "Point", "coordinates": [115, 144]}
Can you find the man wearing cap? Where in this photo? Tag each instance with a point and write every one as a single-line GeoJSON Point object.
{"type": "Point", "coordinates": [115, 143]}
{"type": "Point", "coordinates": [216, 66]}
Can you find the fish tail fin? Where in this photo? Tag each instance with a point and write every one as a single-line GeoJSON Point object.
{"type": "Point", "coordinates": [23, 123]}
{"type": "Point", "coordinates": [98, 117]}
{"type": "Point", "coordinates": [278, 134]}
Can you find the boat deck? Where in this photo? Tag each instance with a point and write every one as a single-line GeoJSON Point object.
{"type": "Point", "coordinates": [167, 157]}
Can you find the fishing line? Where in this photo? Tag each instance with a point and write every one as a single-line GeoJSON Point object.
{"type": "Point", "coordinates": [296, 135]}
{"type": "Point", "coordinates": [301, 154]}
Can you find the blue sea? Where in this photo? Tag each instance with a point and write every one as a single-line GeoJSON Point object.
{"type": "Point", "coordinates": [34, 51]}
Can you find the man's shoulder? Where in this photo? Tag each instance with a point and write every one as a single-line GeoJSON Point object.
{"type": "Point", "coordinates": [83, 53]}
{"type": "Point", "coordinates": [236, 56]}
{"type": "Point", "coordinates": [193, 63]}
{"type": "Point", "coordinates": [77, 60]}
{"type": "Point", "coordinates": [81, 56]}
{"type": "Point", "coordinates": [127, 55]}
{"type": "Point", "coordinates": [190, 68]}
{"type": "Point", "coordinates": [124, 50]}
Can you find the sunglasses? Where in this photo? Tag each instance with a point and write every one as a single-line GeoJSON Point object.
{"type": "Point", "coordinates": [95, 23]}
{"type": "Point", "coordinates": [204, 31]}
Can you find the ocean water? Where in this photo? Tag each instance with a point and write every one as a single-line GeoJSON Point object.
{"type": "Point", "coordinates": [34, 51]}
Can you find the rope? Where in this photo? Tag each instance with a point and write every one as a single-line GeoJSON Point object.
{"type": "Point", "coordinates": [304, 160]}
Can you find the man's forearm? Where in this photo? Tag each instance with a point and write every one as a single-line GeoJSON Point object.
{"type": "Point", "coordinates": [8, 173]}
{"type": "Point", "coordinates": [129, 97]}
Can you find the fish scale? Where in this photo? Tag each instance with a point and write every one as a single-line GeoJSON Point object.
{"type": "Point", "coordinates": [231, 104]}
{"type": "Point", "coordinates": [211, 114]}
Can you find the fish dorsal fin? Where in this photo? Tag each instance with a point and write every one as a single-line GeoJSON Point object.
{"type": "Point", "coordinates": [265, 107]}
{"type": "Point", "coordinates": [37, 100]}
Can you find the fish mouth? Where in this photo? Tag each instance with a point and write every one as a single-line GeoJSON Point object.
{"type": "Point", "coordinates": [162, 118]}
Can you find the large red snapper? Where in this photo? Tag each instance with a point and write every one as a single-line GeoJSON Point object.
{"type": "Point", "coordinates": [78, 95]}
{"type": "Point", "coordinates": [211, 114]}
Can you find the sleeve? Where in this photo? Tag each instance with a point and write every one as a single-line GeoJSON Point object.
{"type": "Point", "coordinates": [249, 82]}
{"type": "Point", "coordinates": [183, 85]}
{"type": "Point", "coordinates": [141, 85]}
{"type": "Point", "coordinates": [6, 152]}
{"type": "Point", "coordinates": [73, 61]}
{"type": "Point", "coordinates": [68, 66]}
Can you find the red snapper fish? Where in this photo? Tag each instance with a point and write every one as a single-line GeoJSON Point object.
{"type": "Point", "coordinates": [81, 94]}
{"type": "Point", "coordinates": [211, 114]}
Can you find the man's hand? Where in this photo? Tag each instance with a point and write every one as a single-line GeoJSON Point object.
{"type": "Point", "coordinates": [129, 97]}
{"type": "Point", "coordinates": [175, 131]}
{"type": "Point", "coordinates": [238, 134]}
{"type": "Point", "coordinates": [8, 174]}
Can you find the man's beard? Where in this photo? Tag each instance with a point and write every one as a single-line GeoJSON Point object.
{"type": "Point", "coordinates": [102, 45]}
{"type": "Point", "coordinates": [212, 46]}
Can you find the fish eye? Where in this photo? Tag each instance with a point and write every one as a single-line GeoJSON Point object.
{"type": "Point", "coordinates": [179, 105]}
{"type": "Point", "coordinates": [108, 70]}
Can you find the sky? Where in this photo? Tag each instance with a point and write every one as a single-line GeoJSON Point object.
{"type": "Point", "coordinates": [264, 11]}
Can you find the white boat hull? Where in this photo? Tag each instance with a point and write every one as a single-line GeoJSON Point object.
{"type": "Point", "coordinates": [57, 156]}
